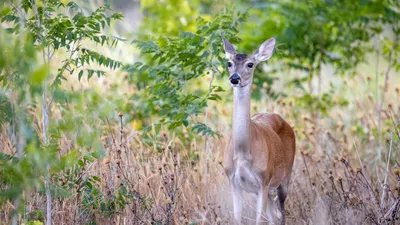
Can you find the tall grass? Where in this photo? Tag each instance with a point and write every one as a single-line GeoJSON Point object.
{"type": "Point", "coordinates": [337, 177]}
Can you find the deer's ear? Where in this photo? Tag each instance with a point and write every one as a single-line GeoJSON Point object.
{"type": "Point", "coordinates": [265, 51]}
{"type": "Point", "coordinates": [229, 49]}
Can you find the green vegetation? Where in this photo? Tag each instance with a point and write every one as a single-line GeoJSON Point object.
{"type": "Point", "coordinates": [99, 127]}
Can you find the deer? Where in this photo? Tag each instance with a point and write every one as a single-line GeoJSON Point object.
{"type": "Point", "coordinates": [260, 152]}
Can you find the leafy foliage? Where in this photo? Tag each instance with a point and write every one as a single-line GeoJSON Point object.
{"type": "Point", "coordinates": [46, 27]}
{"type": "Point", "coordinates": [311, 34]}
{"type": "Point", "coordinates": [314, 33]}
{"type": "Point", "coordinates": [65, 26]}
{"type": "Point", "coordinates": [169, 17]}
{"type": "Point", "coordinates": [175, 64]}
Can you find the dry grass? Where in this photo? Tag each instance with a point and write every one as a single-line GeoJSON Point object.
{"type": "Point", "coordinates": [341, 172]}
{"type": "Point", "coordinates": [338, 179]}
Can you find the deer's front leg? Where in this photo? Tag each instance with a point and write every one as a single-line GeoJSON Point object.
{"type": "Point", "coordinates": [260, 204]}
{"type": "Point", "coordinates": [262, 196]}
{"type": "Point", "coordinates": [237, 202]}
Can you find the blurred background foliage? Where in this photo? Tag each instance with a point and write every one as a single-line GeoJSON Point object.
{"type": "Point", "coordinates": [74, 72]}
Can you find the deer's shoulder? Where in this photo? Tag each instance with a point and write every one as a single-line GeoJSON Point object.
{"type": "Point", "coordinates": [272, 120]}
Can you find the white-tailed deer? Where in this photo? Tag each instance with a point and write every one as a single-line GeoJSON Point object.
{"type": "Point", "coordinates": [260, 153]}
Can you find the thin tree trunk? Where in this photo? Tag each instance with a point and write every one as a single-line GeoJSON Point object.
{"type": "Point", "coordinates": [16, 214]}
{"type": "Point", "coordinates": [45, 121]}
{"type": "Point", "coordinates": [45, 125]}
{"type": "Point", "coordinates": [207, 144]}
{"type": "Point", "coordinates": [20, 152]}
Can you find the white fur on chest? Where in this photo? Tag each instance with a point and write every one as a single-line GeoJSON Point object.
{"type": "Point", "coordinates": [248, 181]}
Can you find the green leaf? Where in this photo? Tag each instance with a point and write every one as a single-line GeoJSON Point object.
{"type": "Point", "coordinates": [90, 74]}
{"type": "Point", "coordinates": [96, 178]}
{"type": "Point", "coordinates": [80, 75]}
{"type": "Point", "coordinates": [89, 158]}
{"type": "Point", "coordinates": [88, 184]}
{"type": "Point", "coordinates": [81, 163]}
{"type": "Point", "coordinates": [39, 75]}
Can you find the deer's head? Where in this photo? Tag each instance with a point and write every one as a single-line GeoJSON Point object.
{"type": "Point", "coordinates": [241, 66]}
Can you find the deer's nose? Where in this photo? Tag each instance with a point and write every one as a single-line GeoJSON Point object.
{"type": "Point", "coordinates": [235, 78]}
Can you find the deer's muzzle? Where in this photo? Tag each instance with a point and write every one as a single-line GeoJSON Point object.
{"type": "Point", "coordinates": [235, 79]}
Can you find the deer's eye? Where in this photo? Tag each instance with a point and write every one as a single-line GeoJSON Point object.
{"type": "Point", "coordinates": [229, 64]}
{"type": "Point", "coordinates": [250, 65]}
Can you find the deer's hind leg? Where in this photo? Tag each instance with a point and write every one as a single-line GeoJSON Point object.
{"type": "Point", "coordinates": [282, 194]}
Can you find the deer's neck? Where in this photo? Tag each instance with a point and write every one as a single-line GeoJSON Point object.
{"type": "Point", "coordinates": [241, 122]}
